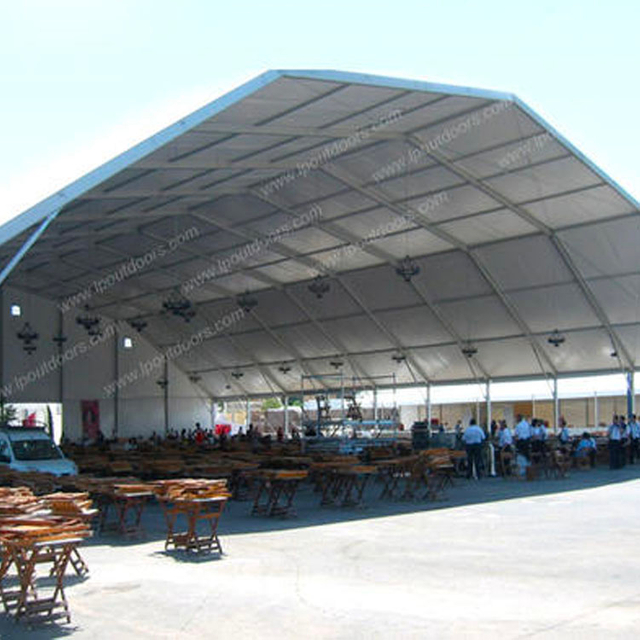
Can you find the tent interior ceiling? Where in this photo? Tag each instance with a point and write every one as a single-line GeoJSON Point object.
{"type": "Point", "coordinates": [515, 233]}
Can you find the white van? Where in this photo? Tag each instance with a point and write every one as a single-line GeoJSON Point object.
{"type": "Point", "coordinates": [32, 449]}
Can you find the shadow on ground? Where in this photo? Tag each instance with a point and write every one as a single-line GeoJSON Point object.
{"type": "Point", "coordinates": [237, 518]}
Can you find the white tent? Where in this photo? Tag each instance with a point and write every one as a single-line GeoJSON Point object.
{"type": "Point", "coordinates": [320, 176]}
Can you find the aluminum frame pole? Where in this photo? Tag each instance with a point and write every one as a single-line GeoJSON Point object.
{"type": "Point", "coordinates": [166, 397]}
{"type": "Point", "coordinates": [116, 376]}
{"type": "Point", "coordinates": [31, 240]}
{"type": "Point", "coordinates": [631, 394]}
{"type": "Point", "coordinates": [556, 406]}
{"type": "Point", "coordinates": [286, 416]}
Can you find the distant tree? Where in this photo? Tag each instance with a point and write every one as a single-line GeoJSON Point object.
{"type": "Point", "coordinates": [49, 421]}
{"type": "Point", "coordinates": [271, 403]}
{"type": "Point", "coordinates": [8, 414]}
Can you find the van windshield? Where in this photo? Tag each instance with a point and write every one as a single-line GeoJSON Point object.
{"type": "Point", "coordinates": [37, 449]}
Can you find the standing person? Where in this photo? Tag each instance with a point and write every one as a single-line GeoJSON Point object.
{"type": "Point", "coordinates": [634, 438]}
{"type": "Point", "coordinates": [523, 436]}
{"type": "Point", "coordinates": [563, 437]}
{"type": "Point", "coordinates": [473, 438]}
{"type": "Point", "coordinates": [624, 441]}
{"type": "Point", "coordinates": [505, 437]}
{"type": "Point", "coordinates": [537, 436]}
{"type": "Point", "coordinates": [615, 443]}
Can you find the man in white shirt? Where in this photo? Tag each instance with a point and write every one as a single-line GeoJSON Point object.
{"type": "Point", "coordinates": [473, 437]}
{"type": "Point", "coordinates": [523, 436]}
{"type": "Point", "coordinates": [615, 444]}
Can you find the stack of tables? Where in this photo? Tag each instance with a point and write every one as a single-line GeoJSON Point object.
{"type": "Point", "coordinates": [198, 501]}
{"type": "Point", "coordinates": [27, 542]}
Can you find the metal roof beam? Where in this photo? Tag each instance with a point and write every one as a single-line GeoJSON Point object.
{"type": "Point", "coordinates": [423, 221]}
{"type": "Point", "coordinates": [626, 360]}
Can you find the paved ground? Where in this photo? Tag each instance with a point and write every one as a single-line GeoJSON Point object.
{"type": "Point", "coordinates": [548, 559]}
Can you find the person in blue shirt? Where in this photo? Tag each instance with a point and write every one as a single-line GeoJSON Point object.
{"type": "Point", "coordinates": [616, 451]}
{"type": "Point", "coordinates": [587, 448]}
{"type": "Point", "coordinates": [473, 438]}
{"type": "Point", "coordinates": [634, 438]}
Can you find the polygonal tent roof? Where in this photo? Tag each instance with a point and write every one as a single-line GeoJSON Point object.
{"type": "Point", "coordinates": [300, 174]}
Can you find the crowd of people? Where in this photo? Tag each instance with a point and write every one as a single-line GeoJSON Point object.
{"type": "Point", "coordinates": [220, 436]}
{"type": "Point", "coordinates": [529, 440]}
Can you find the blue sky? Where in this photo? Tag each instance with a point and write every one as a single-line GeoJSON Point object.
{"type": "Point", "coordinates": [84, 79]}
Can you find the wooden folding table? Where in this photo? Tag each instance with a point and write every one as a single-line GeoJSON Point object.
{"type": "Point", "coordinates": [276, 491]}
{"type": "Point", "coordinates": [196, 510]}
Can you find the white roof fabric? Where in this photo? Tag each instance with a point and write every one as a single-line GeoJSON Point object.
{"type": "Point", "coordinates": [304, 173]}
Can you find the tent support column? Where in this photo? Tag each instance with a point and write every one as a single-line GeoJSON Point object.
{"type": "Point", "coordinates": [116, 376]}
{"type": "Point", "coordinates": [596, 416]}
{"type": "Point", "coordinates": [489, 417]}
{"type": "Point", "coordinates": [248, 415]}
{"type": "Point", "coordinates": [286, 416]}
{"type": "Point", "coordinates": [556, 406]}
{"type": "Point", "coordinates": [375, 403]}
{"type": "Point", "coordinates": [166, 396]}
{"type": "Point", "coordinates": [631, 394]}
{"type": "Point", "coordinates": [429, 406]}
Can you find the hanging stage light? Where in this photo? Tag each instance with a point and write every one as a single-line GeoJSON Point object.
{"type": "Point", "coordinates": [469, 350]}
{"type": "Point", "coordinates": [179, 306]}
{"type": "Point", "coordinates": [284, 368]}
{"type": "Point", "coordinates": [90, 322]}
{"type": "Point", "coordinates": [28, 337]}
{"type": "Point", "coordinates": [319, 286]}
{"type": "Point", "coordinates": [556, 338]}
{"type": "Point", "coordinates": [407, 268]}
{"type": "Point", "coordinates": [237, 374]}
{"type": "Point", "coordinates": [138, 323]}
{"type": "Point", "coordinates": [59, 339]}
{"type": "Point", "coordinates": [398, 357]}
{"type": "Point", "coordinates": [246, 302]}
{"type": "Point", "coordinates": [336, 364]}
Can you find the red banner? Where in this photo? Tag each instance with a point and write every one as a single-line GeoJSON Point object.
{"type": "Point", "coordinates": [90, 418]}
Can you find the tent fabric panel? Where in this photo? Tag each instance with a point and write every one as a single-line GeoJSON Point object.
{"type": "Point", "coordinates": [592, 204]}
{"type": "Point", "coordinates": [608, 248]}
{"type": "Point", "coordinates": [544, 180]}
{"type": "Point", "coordinates": [507, 358]}
{"type": "Point", "coordinates": [371, 282]}
{"type": "Point", "coordinates": [620, 297]}
{"type": "Point", "coordinates": [415, 326]}
{"type": "Point", "coordinates": [587, 350]}
{"type": "Point", "coordinates": [488, 227]}
{"type": "Point", "coordinates": [450, 275]}
{"type": "Point", "coordinates": [480, 318]}
{"type": "Point", "coordinates": [554, 307]}
{"type": "Point", "coordinates": [525, 262]}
